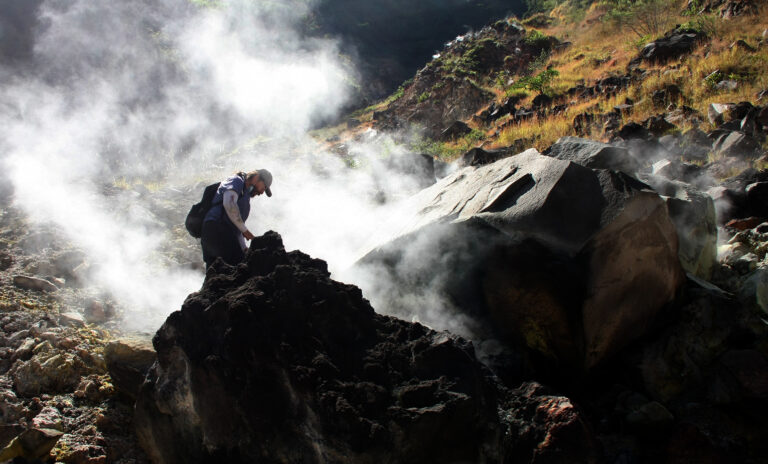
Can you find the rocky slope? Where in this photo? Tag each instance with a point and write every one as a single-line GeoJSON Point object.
{"type": "Point", "coordinates": [57, 396]}
{"type": "Point", "coordinates": [274, 362]}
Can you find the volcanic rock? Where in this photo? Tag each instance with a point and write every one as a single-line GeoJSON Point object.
{"type": "Point", "coordinates": [658, 125]}
{"type": "Point", "coordinates": [673, 45]}
{"type": "Point", "coordinates": [128, 361]}
{"type": "Point", "coordinates": [633, 130]}
{"type": "Point", "coordinates": [731, 196]}
{"type": "Point", "coordinates": [571, 262]}
{"type": "Point", "coordinates": [592, 154]}
{"type": "Point", "coordinates": [669, 94]}
{"type": "Point", "coordinates": [694, 145]}
{"type": "Point", "coordinates": [734, 8]}
{"type": "Point", "coordinates": [48, 370]}
{"type": "Point", "coordinates": [456, 129]}
{"type": "Point", "coordinates": [481, 157]}
{"type": "Point", "coordinates": [716, 112]}
{"type": "Point", "coordinates": [34, 283]}
{"type": "Point", "coordinates": [541, 100]}
{"type": "Point", "coordinates": [729, 85]}
{"type": "Point", "coordinates": [32, 445]}
{"type": "Point", "coordinates": [737, 144]}
{"type": "Point", "coordinates": [582, 123]}
{"type": "Point", "coordinates": [272, 361]}
{"type": "Point", "coordinates": [552, 427]}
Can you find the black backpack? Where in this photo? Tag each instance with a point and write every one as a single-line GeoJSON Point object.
{"type": "Point", "coordinates": [196, 215]}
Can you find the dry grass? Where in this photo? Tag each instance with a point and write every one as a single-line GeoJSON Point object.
{"type": "Point", "coordinates": [540, 134]}
{"type": "Point", "coordinates": [595, 53]}
{"type": "Point", "coordinates": [599, 49]}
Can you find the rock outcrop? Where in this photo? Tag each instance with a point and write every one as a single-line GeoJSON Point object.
{"type": "Point", "coordinates": [592, 154]}
{"type": "Point", "coordinates": [272, 361]}
{"type": "Point", "coordinates": [573, 262]}
{"type": "Point", "coordinates": [443, 91]}
{"type": "Point", "coordinates": [673, 45]}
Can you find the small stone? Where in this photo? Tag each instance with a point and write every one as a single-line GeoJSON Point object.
{"type": "Point", "coordinates": [97, 312]}
{"type": "Point", "coordinates": [34, 283]}
{"type": "Point", "coordinates": [18, 337]}
{"type": "Point", "coordinates": [744, 224]}
{"type": "Point", "coordinates": [71, 319]}
{"type": "Point", "coordinates": [48, 418]}
{"type": "Point", "coordinates": [729, 85]}
{"type": "Point", "coordinates": [67, 343]}
{"type": "Point", "coordinates": [92, 389]}
{"type": "Point", "coordinates": [31, 445]}
{"type": "Point", "coordinates": [25, 351]}
{"type": "Point", "coordinates": [716, 112]}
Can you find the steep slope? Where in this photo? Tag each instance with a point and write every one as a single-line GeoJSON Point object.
{"type": "Point", "coordinates": [601, 77]}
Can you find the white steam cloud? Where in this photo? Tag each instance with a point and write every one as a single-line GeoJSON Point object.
{"type": "Point", "coordinates": [123, 112]}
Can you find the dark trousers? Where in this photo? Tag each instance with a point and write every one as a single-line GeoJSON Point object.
{"type": "Point", "coordinates": [220, 240]}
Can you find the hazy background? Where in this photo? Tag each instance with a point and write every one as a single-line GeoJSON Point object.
{"type": "Point", "coordinates": [113, 116]}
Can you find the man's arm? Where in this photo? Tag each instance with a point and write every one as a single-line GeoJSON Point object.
{"type": "Point", "coordinates": [230, 206]}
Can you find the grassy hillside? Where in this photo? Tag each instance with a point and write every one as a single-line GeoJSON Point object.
{"type": "Point", "coordinates": [593, 50]}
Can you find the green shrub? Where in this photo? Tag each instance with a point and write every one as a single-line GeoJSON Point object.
{"type": "Point", "coordinates": [539, 62]}
{"type": "Point", "coordinates": [701, 22]}
{"type": "Point", "coordinates": [537, 39]}
{"type": "Point", "coordinates": [539, 83]}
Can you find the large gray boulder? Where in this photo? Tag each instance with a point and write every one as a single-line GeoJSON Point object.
{"type": "Point", "coordinates": [592, 154]}
{"type": "Point", "coordinates": [572, 262]}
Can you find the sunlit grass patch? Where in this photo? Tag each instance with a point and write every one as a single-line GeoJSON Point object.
{"type": "Point", "coordinates": [540, 133]}
{"type": "Point", "coordinates": [449, 150]}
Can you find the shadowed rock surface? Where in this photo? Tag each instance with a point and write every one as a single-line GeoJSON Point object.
{"type": "Point", "coordinates": [272, 361]}
{"type": "Point", "coordinates": [571, 261]}
{"type": "Point", "coordinates": [592, 154]}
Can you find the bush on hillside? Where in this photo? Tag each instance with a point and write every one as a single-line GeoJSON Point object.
{"type": "Point", "coordinates": [643, 17]}
{"type": "Point", "coordinates": [538, 83]}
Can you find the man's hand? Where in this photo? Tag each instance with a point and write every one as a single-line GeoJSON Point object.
{"type": "Point", "coordinates": [248, 235]}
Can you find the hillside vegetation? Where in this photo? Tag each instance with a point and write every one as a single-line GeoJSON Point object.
{"type": "Point", "coordinates": [577, 69]}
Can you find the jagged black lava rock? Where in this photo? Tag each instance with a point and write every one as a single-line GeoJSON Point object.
{"type": "Point", "coordinates": [272, 361]}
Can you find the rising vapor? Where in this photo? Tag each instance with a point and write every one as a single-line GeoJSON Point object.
{"type": "Point", "coordinates": [109, 109]}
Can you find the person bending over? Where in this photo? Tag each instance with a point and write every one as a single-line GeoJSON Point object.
{"type": "Point", "coordinates": [224, 232]}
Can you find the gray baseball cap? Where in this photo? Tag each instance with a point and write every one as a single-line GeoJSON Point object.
{"type": "Point", "coordinates": [266, 176]}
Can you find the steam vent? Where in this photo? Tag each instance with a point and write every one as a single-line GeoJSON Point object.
{"type": "Point", "coordinates": [272, 361]}
{"type": "Point", "coordinates": [570, 261]}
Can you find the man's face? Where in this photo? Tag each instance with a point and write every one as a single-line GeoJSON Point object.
{"type": "Point", "coordinates": [258, 187]}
